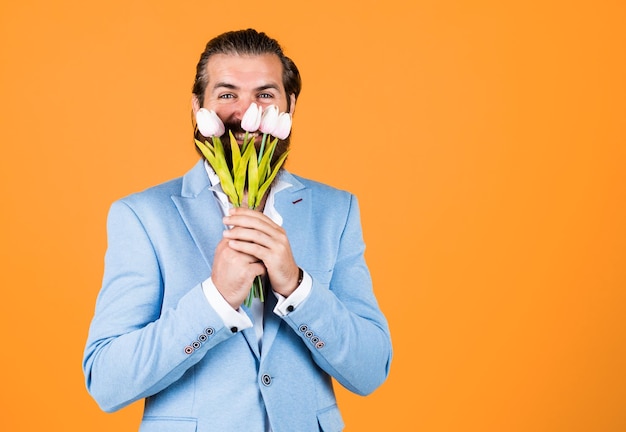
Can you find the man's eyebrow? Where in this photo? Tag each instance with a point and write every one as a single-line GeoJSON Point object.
{"type": "Point", "coordinates": [229, 86]}
{"type": "Point", "coordinates": [268, 86]}
{"type": "Point", "coordinates": [225, 85]}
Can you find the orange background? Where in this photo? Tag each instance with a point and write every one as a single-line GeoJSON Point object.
{"type": "Point", "coordinates": [484, 139]}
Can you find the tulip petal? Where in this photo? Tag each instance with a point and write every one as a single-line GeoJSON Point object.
{"type": "Point", "coordinates": [208, 123]}
{"type": "Point", "coordinates": [269, 119]}
{"type": "Point", "coordinates": [283, 126]}
{"type": "Point", "coordinates": [251, 118]}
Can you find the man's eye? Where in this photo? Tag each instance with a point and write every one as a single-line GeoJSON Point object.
{"type": "Point", "coordinates": [227, 96]}
{"type": "Point", "coordinates": [266, 96]}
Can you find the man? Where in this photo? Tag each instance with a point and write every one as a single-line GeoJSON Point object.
{"type": "Point", "coordinates": [170, 325]}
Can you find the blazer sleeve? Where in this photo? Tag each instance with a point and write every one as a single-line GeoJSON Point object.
{"type": "Point", "coordinates": [340, 321]}
{"type": "Point", "coordinates": [134, 348]}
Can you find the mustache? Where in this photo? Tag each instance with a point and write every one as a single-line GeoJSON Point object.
{"type": "Point", "coordinates": [234, 127]}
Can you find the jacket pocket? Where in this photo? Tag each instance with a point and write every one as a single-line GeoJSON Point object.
{"type": "Point", "coordinates": [168, 424]}
{"type": "Point", "coordinates": [330, 419]}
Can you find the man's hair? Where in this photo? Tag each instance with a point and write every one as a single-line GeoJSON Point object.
{"type": "Point", "coordinates": [246, 42]}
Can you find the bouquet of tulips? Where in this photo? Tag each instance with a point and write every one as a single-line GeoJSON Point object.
{"type": "Point", "coordinates": [251, 172]}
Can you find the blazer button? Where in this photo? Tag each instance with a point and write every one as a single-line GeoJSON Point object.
{"type": "Point", "coordinates": [309, 334]}
{"type": "Point", "coordinates": [303, 328]}
{"type": "Point", "coordinates": [195, 344]}
{"type": "Point", "coordinates": [188, 349]}
{"type": "Point", "coordinates": [203, 337]}
{"type": "Point", "coordinates": [209, 331]}
{"type": "Point", "coordinates": [315, 339]}
{"type": "Point", "coordinates": [319, 345]}
{"type": "Point", "coordinates": [266, 380]}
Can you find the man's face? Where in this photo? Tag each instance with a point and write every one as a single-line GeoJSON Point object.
{"type": "Point", "coordinates": [234, 82]}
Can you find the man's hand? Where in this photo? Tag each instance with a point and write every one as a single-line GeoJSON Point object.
{"type": "Point", "coordinates": [233, 273]}
{"type": "Point", "coordinates": [255, 237]}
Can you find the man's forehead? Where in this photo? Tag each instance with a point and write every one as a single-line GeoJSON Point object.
{"type": "Point", "coordinates": [245, 67]}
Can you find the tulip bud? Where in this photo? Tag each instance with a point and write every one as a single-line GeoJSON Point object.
{"type": "Point", "coordinates": [269, 119]}
{"type": "Point", "coordinates": [252, 118]}
{"type": "Point", "coordinates": [283, 126]}
{"type": "Point", "coordinates": [209, 124]}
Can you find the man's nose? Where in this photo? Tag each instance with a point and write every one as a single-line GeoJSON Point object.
{"type": "Point", "coordinates": [241, 106]}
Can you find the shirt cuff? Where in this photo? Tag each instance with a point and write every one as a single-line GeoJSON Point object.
{"type": "Point", "coordinates": [286, 305]}
{"type": "Point", "coordinates": [230, 317]}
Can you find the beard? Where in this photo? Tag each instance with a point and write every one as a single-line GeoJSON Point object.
{"type": "Point", "coordinates": [281, 146]}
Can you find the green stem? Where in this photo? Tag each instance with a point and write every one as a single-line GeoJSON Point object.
{"type": "Point", "coordinates": [262, 147]}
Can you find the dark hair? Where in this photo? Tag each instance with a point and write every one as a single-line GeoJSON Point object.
{"type": "Point", "coordinates": [246, 42]}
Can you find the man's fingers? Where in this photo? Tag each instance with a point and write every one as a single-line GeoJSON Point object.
{"type": "Point", "coordinates": [249, 219]}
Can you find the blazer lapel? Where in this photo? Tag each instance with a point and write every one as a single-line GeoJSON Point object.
{"type": "Point", "coordinates": [295, 206]}
{"type": "Point", "coordinates": [200, 211]}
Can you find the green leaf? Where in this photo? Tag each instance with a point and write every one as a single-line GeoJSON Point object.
{"type": "Point", "coordinates": [248, 301]}
{"type": "Point", "coordinates": [264, 165]}
{"type": "Point", "coordinates": [206, 150]}
{"type": "Point", "coordinates": [262, 147]}
{"type": "Point", "coordinates": [236, 153]}
{"type": "Point", "coordinates": [272, 148]}
{"type": "Point", "coordinates": [270, 179]}
{"type": "Point", "coordinates": [260, 288]}
{"type": "Point", "coordinates": [247, 140]}
{"type": "Point", "coordinates": [240, 173]}
{"type": "Point", "coordinates": [214, 154]}
{"type": "Point", "coordinates": [205, 144]}
{"type": "Point", "coordinates": [253, 179]}
{"type": "Point", "coordinates": [221, 169]}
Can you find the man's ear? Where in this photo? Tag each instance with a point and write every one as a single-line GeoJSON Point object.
{"type": "Point", "coordinates": [195, 105]}
{"type": "Point", "coordinates": [292, 105]}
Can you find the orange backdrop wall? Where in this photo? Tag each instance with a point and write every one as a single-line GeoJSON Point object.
{"type": "Point", "coordinates": [486, 141]}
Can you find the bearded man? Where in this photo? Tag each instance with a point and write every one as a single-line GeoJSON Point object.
{"type": "Point", "coordinates": [170, 325]}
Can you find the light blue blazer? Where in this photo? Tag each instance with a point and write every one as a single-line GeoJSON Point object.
{"type": "Point", "coordinates": [155, 336]}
